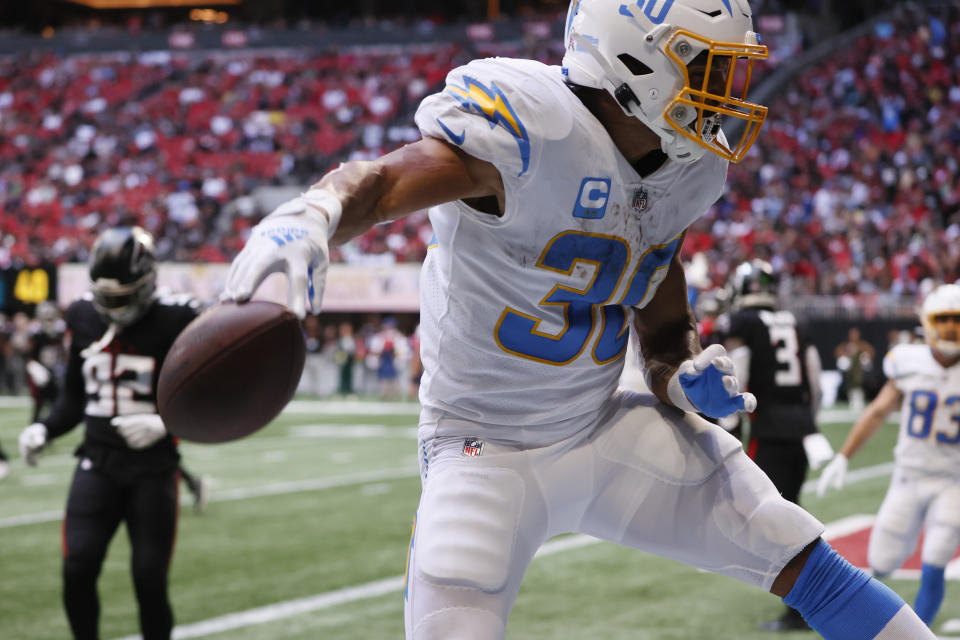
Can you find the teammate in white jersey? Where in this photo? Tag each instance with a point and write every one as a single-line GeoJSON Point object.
{"type": "Point", "coordinates": [561, 197]}
{"type": "Point", "coordinates": [924, 381]}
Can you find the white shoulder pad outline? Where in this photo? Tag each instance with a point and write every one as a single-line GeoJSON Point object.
{"type": "Point", "coordinates": [904, 360]}
{"type": "Point", "coordinates": [486, 88]}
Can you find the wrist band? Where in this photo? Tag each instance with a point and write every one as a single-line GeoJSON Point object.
{"type": "Point", "coordinates": [676, 394]}
{"type": "Point", "coordinates": [329, 203]}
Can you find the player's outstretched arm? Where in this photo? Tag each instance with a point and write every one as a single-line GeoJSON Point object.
{"type": "Point", "coordinates": [294, 239]}
{"type": "Point", "coordinates": [876, 413]}
{"type": "Point", "coordinates": [678, 373]}
{"type": "Point", "coordinates": [872, 419]}
{"type": "Point", "coordinates": [412, 178]}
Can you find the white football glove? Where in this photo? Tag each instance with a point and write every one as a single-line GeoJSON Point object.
{"type": "Point", "coordinates": [31, 442]}
{"type": "Point", "coordinates": [292, 240]}
{"type": "Point", "coordinates": [818, 450]}
{"type": "Point", "coordinates": [707, 384]}
{"type": "Point", "coordinates": [834, 475]}
{"type": "Point", "coordinates": [39, 374]}
{"type": "Point", "coordinates": [140, 430]}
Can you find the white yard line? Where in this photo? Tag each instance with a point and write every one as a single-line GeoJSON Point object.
{"type": "Point", "coordinates": [280, 610]}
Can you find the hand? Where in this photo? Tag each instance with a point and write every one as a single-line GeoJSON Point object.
{"type": "Point", "coordinates": [140, 430]}
{"type": "Point", "coordinates": [292, 240]}
{"type": "Point", "coordinates": [31, 442]}
{"type": "Point", "coordinates": [39, 374]}
{"type": "Point", "coordinates": [708, 385]}
{"type": "Point", "coordinates": [818, 450]}
{"type": "Point", "coordinates": [833, 476]}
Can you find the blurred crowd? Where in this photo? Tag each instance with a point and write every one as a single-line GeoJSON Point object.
{"type": "Point", "coordinates": [374, 356]}
{"type": "Point", "coordinates": [853, 188]}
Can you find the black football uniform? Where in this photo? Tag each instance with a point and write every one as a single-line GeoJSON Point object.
{"type": "Point", "coordinates": [112, 482]}
{"type": "Point", "coordinates": [778, 378]}
{"type": "Point", "coordinates": [46, 348]}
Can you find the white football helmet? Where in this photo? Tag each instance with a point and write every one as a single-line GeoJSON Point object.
{"type": "Point", "coordinates": [942, 301]}
{"type": "Point", "coordinates": [638, 50]}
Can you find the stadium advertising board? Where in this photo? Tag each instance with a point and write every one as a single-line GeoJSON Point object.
{"type": "Point", "coordinates": [350, 288]}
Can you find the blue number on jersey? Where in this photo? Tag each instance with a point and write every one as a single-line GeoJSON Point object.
{"type": "Point", "coordinates": [923, 404]}
{"type": "Point", "coordinates": [613, 337]}
{"type": "Point", "coordinates": [955, 438]}
{"type": "Point", "coordinates": [518, 333]}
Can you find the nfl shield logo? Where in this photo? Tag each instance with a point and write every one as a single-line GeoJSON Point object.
{"type": "Point", "coordinates": [472, 447]}
{"type": "Point", "coordinates": [639, 202]}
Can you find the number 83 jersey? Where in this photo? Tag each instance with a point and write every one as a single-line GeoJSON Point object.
{"type": "Point", "coordinates": [525, 316]}
{"type": "Point", "coordinates": [929, 438]}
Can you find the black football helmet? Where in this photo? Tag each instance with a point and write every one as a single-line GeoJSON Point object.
{"type": "Point", "coordinates": [754, 285]}
{"type": "Point", "coordinates": [123, 274]}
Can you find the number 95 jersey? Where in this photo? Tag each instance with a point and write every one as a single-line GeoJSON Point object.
{"type": "Point", "coordinates": [524, 316]}
{"type": "Point", "coordinates": [929, 437]}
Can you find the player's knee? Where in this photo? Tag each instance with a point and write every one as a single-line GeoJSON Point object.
{"type": "Point", "coordinates": [886, 553]}
{"type": "Point", "coordinates": [460, 623]}
{"type": "Point", "coordinates": [149, 571]}
{"type": "Point", "coordinates": [80, 569]}
{"type": "Point", "coordinates": [467, 527]}
{"type": "Point", "coordinates": [757, 515]}
{"type": "Point", "coordinates": [882, 564]}
{"type": "Point", "coordinates": [940, 544]}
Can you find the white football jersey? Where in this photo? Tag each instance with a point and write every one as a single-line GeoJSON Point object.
{"type": "Point", "coordinates": [929, 437]}
{"type": "Point", "coordinates": [525, 317]}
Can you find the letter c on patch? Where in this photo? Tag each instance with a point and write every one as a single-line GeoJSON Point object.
{"type": "Point", "coordinates": [592, 199]}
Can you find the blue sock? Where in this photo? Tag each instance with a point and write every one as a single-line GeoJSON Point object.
{"type": "Point", "coordinates": [840, 601]}
{"type": "Point", "coordinates": [930, 595]}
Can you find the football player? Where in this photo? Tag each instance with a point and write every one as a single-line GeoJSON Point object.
{"type": "Point", "coordinates": [127, 471]}
{"type": "Point", "coordinates": [924, 382]}
{"type": "Point", "coordinates": [560, 200]}
{"type": "Point", "coordinates": [774, 358]}
{"type": "Point", "coordinates": [47, 357]}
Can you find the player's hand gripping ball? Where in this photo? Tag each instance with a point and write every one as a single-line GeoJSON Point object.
{"type": "Point", "coordinates": [231, 371]}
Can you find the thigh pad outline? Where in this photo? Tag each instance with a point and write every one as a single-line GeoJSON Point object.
{"type": "Point", "coordinates": [467, 526]}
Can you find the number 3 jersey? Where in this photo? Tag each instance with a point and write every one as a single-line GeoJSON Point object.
{"type": "Point", "coordinates": [929, 439]}
{"type": "Point", "coordinates": [121, 377]}
{"type": "Point", "coordinates": [525, 316]}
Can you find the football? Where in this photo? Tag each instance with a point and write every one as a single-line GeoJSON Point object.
{"type": "Point", "coordinates": [231, 371]}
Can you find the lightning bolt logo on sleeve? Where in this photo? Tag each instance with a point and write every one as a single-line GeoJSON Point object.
{"type": "Point", "coordinates": [494, 106]}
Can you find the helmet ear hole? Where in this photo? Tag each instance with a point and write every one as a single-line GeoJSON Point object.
{"type": "Point", "coordinates": [636, 67]}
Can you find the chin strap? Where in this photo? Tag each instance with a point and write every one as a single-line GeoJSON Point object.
{"type": "Point", "coordinates": [102, 343]}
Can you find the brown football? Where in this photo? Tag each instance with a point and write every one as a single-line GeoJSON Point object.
{"type": "Point", "coordinates": [231, 371]}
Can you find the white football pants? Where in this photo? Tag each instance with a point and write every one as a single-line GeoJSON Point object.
{"type": "Point", "coordinates": [915, 501]}
{"type": "Point", "coordinates": [643, 475]}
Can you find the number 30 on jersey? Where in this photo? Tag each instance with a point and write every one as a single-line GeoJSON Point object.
{"type": "Point", "coordinates": [609, 256]}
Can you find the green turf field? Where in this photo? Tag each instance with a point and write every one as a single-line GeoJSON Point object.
{"type": "Point", "coordinates": [314, 512]}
